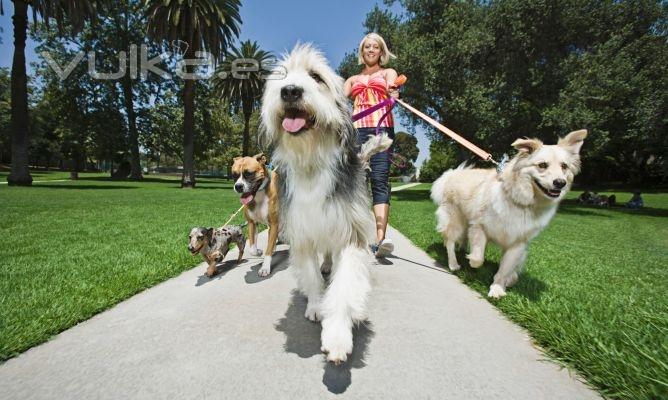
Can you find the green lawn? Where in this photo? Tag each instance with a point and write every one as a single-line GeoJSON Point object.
{"type": "Point", "coordinates": [72, 249]}
{"type": "Point", "coordinates": [590, 294]}
{"type": "Point", "coordinates": [593, 293]}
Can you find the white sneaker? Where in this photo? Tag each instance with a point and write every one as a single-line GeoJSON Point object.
{"type": "Point", "coordinates": [385, 248]}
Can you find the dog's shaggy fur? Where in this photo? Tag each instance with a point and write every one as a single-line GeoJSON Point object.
{"type": "Point", "coordinates": [509, 208]}
{"type": "Point", "coordinates": [324, 205]}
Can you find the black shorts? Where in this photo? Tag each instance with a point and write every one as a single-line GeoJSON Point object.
{"type": "Point", "coordinates": [380, 166]}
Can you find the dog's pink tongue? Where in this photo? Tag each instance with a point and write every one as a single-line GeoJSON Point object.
{"type": "Point", "coordinates": [246, 199]}
{"type": "Point", "coordinates": [293, 124]}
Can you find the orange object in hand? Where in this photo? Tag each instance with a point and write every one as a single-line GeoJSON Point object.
{"type": "Point", "coordinates": [401, 79]}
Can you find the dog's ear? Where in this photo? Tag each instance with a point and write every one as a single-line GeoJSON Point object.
{"type": "Point", "coordinates": [527, 146]}
{"type": "Point", "coordinates": [261, 158]}
{"type": "Point", "coordinates": [573, 141]}
{"type": "Point", "coordinates": [209, 232]}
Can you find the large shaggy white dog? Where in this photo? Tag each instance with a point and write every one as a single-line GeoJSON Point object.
{"type": "Point", "coordinates": [324, 206]}
{"type": "Point", "coordinates": [509, 208]}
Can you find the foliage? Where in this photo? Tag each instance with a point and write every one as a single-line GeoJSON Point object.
{"type": "Point", "coordinates": [207, 25]}
{"type": "Point", "coordinates": [405, 145]}
{"type": "Point", "coordinates": [243, 92]}
{"type": "Point", "coordinates": [495, 71]}
{"type": "Point", "coordinates": [198, 25]}
{"type": "Point", "coordinates": [5, 109]}
{"type": "Point", "coordinates": [443, 156]}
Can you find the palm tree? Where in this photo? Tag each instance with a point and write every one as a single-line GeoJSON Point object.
{"type": "Point", "coordinates": [207, 25]}
{"type": "Point", "coordinates": [76, 11]}
{"type": "Point", "coordinates": [246, 91]}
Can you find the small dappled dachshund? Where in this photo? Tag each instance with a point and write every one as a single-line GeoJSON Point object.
{"type": "Point", "coordinates": [214, 243]}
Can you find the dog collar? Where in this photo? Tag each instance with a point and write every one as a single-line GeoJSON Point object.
{"type": "Point", "coordinates": [264, 184]}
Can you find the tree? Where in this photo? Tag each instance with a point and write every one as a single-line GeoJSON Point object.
{"type": "Point", "coordinates": [443, 156]}
{"type": "Point", "coordinates": [496, 71]}
{"type": "Point", "coordinates": [243, 91]}
{"type": "Point", "coordinates": [207, 25]}
{"type": "Point", "coordinates": [76, 12]}
{"type": "Point", "coordinates": [405, 145]}
{"type": "Point", "coordinates": [5, 110]}
{"type": "Point", "coordinates": [125, 26]}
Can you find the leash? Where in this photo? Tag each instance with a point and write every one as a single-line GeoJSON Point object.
{"type": "Point", "coordinates": [391, 101]}
{"type": "Point", "coordinates": [233, 215]}
{"type": "Point", "coordinates": [262, 187]}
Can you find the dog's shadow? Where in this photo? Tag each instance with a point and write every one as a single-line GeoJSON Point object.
{"type": "Point", "coordinates": [279, 262]}
{"type": "Point", "coordinates": [481, 278]}
{"type": "Point", "coordinates": [302, 337]}
{"type": "Point", "coordinates": [221, 269]}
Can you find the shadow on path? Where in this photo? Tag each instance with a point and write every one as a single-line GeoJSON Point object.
{"type": "Point", "coordinates": [302, 337]}
{"type": "Point", "coordinates": [221, 269]}
{"type": "Point", "coordinates": [527, 286]}
{"type": "Point", "coordinates": [279, 262]}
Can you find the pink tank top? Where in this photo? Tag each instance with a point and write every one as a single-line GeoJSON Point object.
{"type": "Point", "coordinates": [368, 95]}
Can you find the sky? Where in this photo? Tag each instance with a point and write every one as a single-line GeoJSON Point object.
{"type": "Point", "coordinates": [336, 27]}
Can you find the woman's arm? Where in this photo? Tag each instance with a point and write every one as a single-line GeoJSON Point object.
{"type": "Point", "coordinates": [390, 76]}
{"type": "Point", "coordinates": [348, 86]}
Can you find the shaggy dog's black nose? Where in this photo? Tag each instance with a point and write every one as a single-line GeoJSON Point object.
{"type": "Point", "coordinates": [239, 187]}
{"type": "Point", "coordinates": [559, 183]}
{"type": "Point", "coordinates": [291, 93]}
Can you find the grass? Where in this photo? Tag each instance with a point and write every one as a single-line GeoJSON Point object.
{"type": "Point", "coordinates": [72, 249]}
{"type": "Point", "coordinates": [593, 293]}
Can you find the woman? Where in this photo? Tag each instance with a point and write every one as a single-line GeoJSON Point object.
{"type": "Point", "coordinates": [370, 87]}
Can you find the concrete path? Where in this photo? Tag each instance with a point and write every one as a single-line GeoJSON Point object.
{"type": "Point", "coordinates": [238, 336]}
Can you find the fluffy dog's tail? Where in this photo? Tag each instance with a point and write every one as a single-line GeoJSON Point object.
{"type": "Point", "coordinates": [438, 188]}
{"type": "Point", "coordinates": [373, 146]}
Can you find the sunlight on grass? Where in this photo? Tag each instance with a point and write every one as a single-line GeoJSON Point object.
{"type": "Point", "coordinates": [593, 290]}
{"type": "Point", "coordinates": [72, 249]}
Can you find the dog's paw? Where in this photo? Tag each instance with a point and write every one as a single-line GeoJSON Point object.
{"type": "Point", "coordinates": [210, 272]}
{"type": "Point", "coordinates": [496, 291]}
{"type": "Point", "coordinates": [454, 267]}
{"type": "Point", "coordinates": [337, 341]}
{"type": "Point", "coordinates": [475, 262]}
{"type": "Point", "coordinates": [312, 312]}
{"type": "Point", "coordinates": [255, 252]}
{"type": "Point", "coordinates": [512, 279]}
{"type": "Point", "coordinates": [266, 267]}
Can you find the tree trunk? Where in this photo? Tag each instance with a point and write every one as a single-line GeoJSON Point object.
{"type": "Point", "coordinates": [135, 162]}
{"type": "Point", "coordinates": [74, 171]}
{"type": "Point", "coordinates": [246, 144]}
{"type": "Point", "coordinates": [248, 111]}
{"type": "Point", "coordinates": [20, 175]}
{"type": "Point", "coordinates": [188, 178]}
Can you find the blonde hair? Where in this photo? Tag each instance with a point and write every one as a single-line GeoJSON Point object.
{"type": "Point", "coordinates": [385, 53]}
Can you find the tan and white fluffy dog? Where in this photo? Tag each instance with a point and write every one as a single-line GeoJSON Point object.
{"type": "Point", "coordinates": [509, 208]}
{"type": "Point", "coordinates": [324, 206]}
